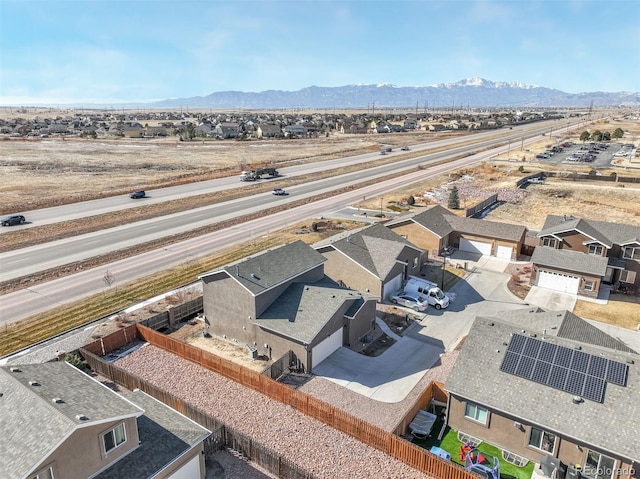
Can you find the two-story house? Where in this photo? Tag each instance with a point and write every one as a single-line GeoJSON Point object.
{"type": "Point", "coordinates": [58, 422]}
{"type": "Point", "coordinates": [280, 300]}
{"type": "Point", "coordinates": [536, 383]}
{"type": "Point", "coordinates": [373, 259]}
{"type": "Point", "coordinates": [578, 255]}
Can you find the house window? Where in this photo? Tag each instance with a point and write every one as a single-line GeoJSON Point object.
{"type": "Point", "coordinates": [542, 440]}
{"type": "Point", "coordinates": [552, 242]}
{"type": "Point", "coordinates": [627, 276]}
{"type": "Point", "coordinates": [598, 466]}
{"type": "Point", "coordinates": [44, 474]}
{"type": "Point", "coordinates": [631, 253]}
{"type": "Point", "coordinates": [475, 412]}
{"type": "Point", "coordinates": [588, 285]}
{"type": "Point", "coordinates": [415, 262]}
{"type": "Point", "coordinates": [596, 249]}
{"type": "Point", "coordinates": [114, 438]}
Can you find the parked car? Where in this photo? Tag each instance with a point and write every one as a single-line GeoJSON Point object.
{"type": "Point", "coordinates": [279, 192]}
{"type": "Point", "coordinates": [13, 220]}
{"type": "Point", "coordinates": [137, 194]}
{"type": "Point", "coordinates": [537, 179]}
{"type": "Point", "coordinates": [417, 303]}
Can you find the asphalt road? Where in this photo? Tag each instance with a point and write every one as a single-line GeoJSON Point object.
{"type": "Point", "coordinates": [39, 298]}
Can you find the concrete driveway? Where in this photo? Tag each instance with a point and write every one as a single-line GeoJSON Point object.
{"type": "Point", "coordinates": [551, 300]}
{"type": "Point", "coordinates": [392, 375]}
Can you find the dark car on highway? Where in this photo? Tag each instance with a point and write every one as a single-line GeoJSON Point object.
{"type": "Point", "coordinates": [137, 194]}
{"type": "Point", "coordinates": [13, 220]}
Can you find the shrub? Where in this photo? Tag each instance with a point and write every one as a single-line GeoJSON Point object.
{"type": "Point", "coordinates": [411, 200]}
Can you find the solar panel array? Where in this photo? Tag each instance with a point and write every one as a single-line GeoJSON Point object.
{"type": "Point", "coordinates": [571, 370]}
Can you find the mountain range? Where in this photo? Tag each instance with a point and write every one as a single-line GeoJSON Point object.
{"type": "Point", "coordinates": [472, 93]}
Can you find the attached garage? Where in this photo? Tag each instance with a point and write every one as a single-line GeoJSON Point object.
{"type": "Point", "coordinates": [324, 349]}
{"type": "Point", "coordinates": [565, 283]}
{"type": "Point", "coordinates": [478, 247]}
{"type": "Point", "coordinates": [504, 252]}
{"type": "Point", "coordinates": [392, 286]}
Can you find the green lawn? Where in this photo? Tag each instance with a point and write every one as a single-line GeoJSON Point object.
{"type": "Point", "coordinates": [451, 444]}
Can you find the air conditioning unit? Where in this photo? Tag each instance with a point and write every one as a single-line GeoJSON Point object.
{"type": "Point", "coordinates": [549, 464]}
{"type": "Point", "coordinates": [253, 353]}
{"type": "Point", "coordinates": [573, 472]}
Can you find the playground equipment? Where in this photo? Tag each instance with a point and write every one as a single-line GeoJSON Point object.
{"type": "Point", "coordinates": [485, 465]}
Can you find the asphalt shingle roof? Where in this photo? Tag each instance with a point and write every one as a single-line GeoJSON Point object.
{"type": "Point", "coordinates": [264, 270]}
{"type": "Point", "coordinates": [604, 231]}
{"type": "Point", "coordinates": [570, 260]}
{"type": "Point", "coordinates": [611, 426]}
{"type": "Point", "coordinates": [33, 424]}
{"type": "Point", "coordinates": [305, 308]}
{"type": "Point", "coordinates": [164, 435]}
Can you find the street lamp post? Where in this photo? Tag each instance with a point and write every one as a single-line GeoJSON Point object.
{"type": "Point", "coordinates": [445, 252]}
{"type": "Point", "coordinates": [381, 207]}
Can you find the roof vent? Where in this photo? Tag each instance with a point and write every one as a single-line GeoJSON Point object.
{"type": "Point", "coordinates": [491, 324]}
{"type": "Point", "coordinates": [630, 361]}
{"type": "Point", "coordinates": [16, 370]}
{"type": "Point", "coordinates": [333, 295]}
{"type": "Point", "coordinates": [81, 417]}
{"type": "Point", "coordinates": [34, 383]}
{"type": "Point", "coordinates": [1, 394]}
{"type": "Point", "coordinates": [533, 335]}
{"type": "Point", "coordinates": [58, 400]}
{"type": "Point", "coordinates": [577, 347]}
{"type": "Point", "coordinates": [577, 399]}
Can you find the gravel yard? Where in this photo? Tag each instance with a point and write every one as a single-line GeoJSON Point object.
{"type": "Point", "coordinates": [322, 450]}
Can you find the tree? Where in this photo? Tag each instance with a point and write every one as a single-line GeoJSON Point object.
{"type": "Point", "coordinates": [584, 136]}
{"type": "Point", "coordinates": [411, 200]}
{"type": "Point", "coordinates": [606, 136]}
{"type": "Point", "coordinates": [618, 133]}
{"type": "Point", "coordinates": [454, 199]}
{"type": "Point", "coordinates": [596, 135]}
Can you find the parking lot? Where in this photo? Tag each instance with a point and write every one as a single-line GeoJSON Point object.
{"type": "Point", "coordinates": [597, 155]}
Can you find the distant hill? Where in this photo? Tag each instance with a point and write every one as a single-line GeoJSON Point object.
{"type": "Point", "coordinates": [473, 92]}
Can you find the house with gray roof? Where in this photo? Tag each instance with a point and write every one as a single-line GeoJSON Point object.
{"type": "Point", "coordinates": [280, 300]}
{"type": "Point", "coordinates": [437, 228]}
{"type": "Point", "coordinates": [374, 259]}
{"type": "Point", "coordinates": [536, 384]}
{"type": "Point", "coordinates": [586, 254]}
{"type": "Point", "coordinates": [59, 422]}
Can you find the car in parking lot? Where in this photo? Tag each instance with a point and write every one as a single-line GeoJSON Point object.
{"type": "Point", "coordinates": [13, 220]}
{"type": "Point", "coordinates": [137, 194]}
{"type": "Point", "coordinates": [279, 192]}
{"type": "Point", "coordinates": [417, 303]}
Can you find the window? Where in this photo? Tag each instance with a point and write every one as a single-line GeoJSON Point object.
{"type": "Point", "coordinates": [596, 249]}
{"type": "Point", "coordinates": [114, 438]}
{"type": "Point", "coordinates": [542, 440]}
{"type": "Point", "coordinates": [598, 466]}
{"type": "Point", "coordinates": [475, 412]}
{"type": "Point", "coordinates": [44, 474]}
{"type": "Point", "coordinates": [549, 242]}
{"type": "Point", "coordinates": [627, 276]}
{"type": "Point", "coordinates": [631, 253]}
{"type": "Point", "coordinates": [415, 262]}
{"type": "Point", "coordinates": [588, 285]}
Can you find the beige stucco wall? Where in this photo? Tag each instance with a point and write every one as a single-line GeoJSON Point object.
{"type": "Point", "coordinates": [421, 237]}
{"type": "Point", "coordinates": [345, 271]}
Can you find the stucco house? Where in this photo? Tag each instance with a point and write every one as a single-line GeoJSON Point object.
{"type": "Point", "coordinates": [437, 228]}
{"type": "Point", "coordinates": [577, 255]}
{"type": "Point", "coordinates": [373, 259]}
{"type": "Point", "coordinates": [536, 383]}
{"type": "Point", "coordinates": [226, 130]}
{"type": "Point", "coordinates": [269, 130]}
{"type": "Point", "coordinates": [59, 422]}
{"type": "Point", "coordinates": [280, 300]}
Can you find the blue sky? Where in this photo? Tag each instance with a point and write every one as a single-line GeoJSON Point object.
{"type": "Point", "coordinates": [71, 51]}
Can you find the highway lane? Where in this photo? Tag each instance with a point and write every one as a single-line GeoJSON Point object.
{"type": "Point", "coordinates": [25, 261]}
{"type": "Point", "coordinates": [32, 300]}
{"type": "Point", "coordinates": [121, 202]}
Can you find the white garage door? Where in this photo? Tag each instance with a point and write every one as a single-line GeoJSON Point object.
{"type": "Point", "coordinates": [504, 252]}
{"type": "Point", "coordinates": [190, 470]}
{"type": "Point", "coordinates": [392, 286]}
{"type": "Point", "coordinates": [323, 350]}
{"type": "Point", "coordinates": [565, 283]}
{"type": "Point", "coordinates": [475, 246]}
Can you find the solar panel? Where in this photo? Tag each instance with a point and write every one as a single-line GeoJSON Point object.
{"type": "Point", "coordinates": [570, 370]}
{"type": "Point", "coordinates": [593, 389]}
{"type": "Point", "coordinates": [516, 343]}
{"type": "Point", "coordinates": [598, 367]}
{"type": "Point", "coordinates": [531, 348]}
{"type": "Point", "coordinates": [617, 373]}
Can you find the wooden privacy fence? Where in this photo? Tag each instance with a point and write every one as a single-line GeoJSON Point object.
{"type": "Point", "coordinates": [434, 392]}
{"type": "Point", "coordinates": [396, 447]}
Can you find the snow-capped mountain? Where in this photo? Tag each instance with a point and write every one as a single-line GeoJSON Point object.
{"type": "Point", "coordinates": [472, 92]}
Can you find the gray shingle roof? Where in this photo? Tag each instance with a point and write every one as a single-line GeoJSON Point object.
{"type": "Point", "coordinates": [304, 309]}
{"type": "Point", "coordinates": [604, 231]}
{"type": "Point", "coordinates": [435, 220]}
{"type": "Point", "coordinates": [611, 426]}
{"type": "Point", "coordinates": [164, 436]}
{"type": "Point", "coordinates": [33, 425]}
{"type": "Point", "coordinates": [570, 260]}
{"type": "Point", "coordinates": [376, 248]}
{"type": "Point", "coordinates": [264, 270]}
